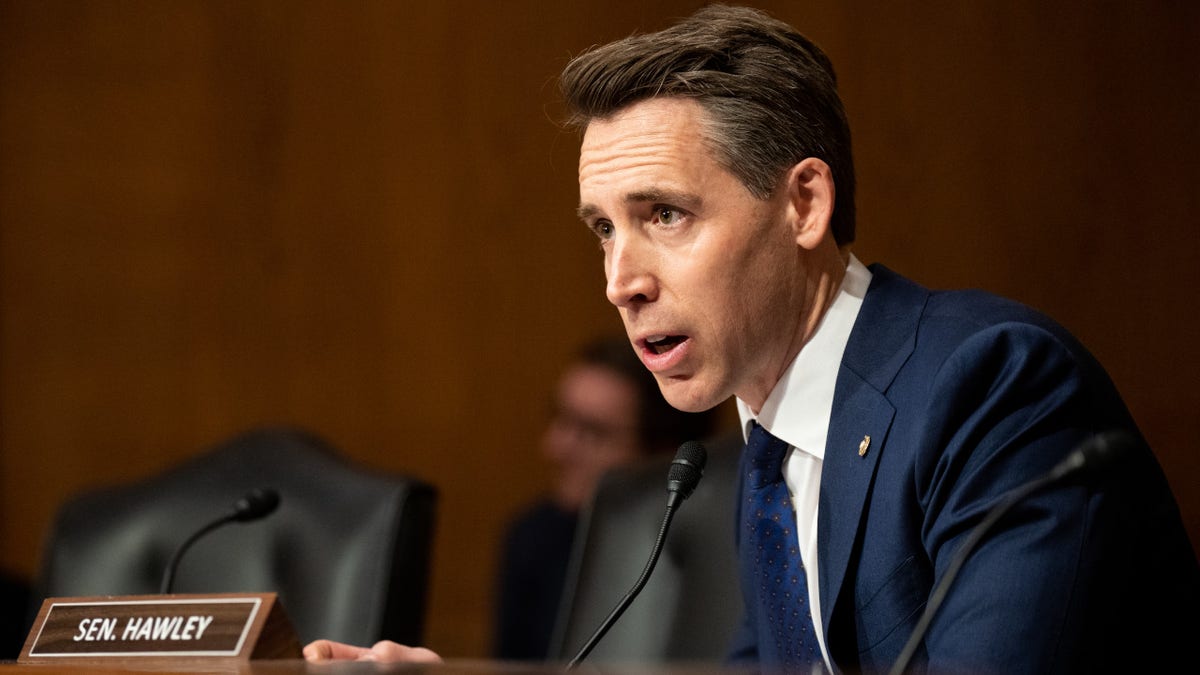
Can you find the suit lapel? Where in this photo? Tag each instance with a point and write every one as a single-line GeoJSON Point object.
{"type": "Point", "coordinates": [881, 342]}
{"type": "Point", "coordinates": [865, 417]}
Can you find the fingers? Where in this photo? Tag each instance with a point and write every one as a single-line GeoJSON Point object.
{"type": "Point", "coordinates": [382, 652]}
{"type": "Point", "coordinates": [390, 652]}
{"type": "Point", "coordinates": [328, 650]}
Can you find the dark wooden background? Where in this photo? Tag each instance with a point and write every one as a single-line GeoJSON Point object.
{"type": "Point", "coordinates": [358, 217]}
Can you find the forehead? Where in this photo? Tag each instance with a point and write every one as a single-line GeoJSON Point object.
{"type": "Point", "coordinates": [655, 119]}
{"type": "Point", "coordinates": [648, 142]}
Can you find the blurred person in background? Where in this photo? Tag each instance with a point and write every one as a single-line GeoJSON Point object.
{"type": "Point", "coordinates": [607, 411]}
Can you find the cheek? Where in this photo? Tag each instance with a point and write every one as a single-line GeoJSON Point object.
{"type": "Point", "coordinates": [757, 299]}
{"type": "Point", "coordinates": [726, 294]}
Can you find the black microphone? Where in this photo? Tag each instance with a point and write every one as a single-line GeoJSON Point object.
{"type": "Point", "coordinates": [1092, 458]}
{"type": "Point", "coordinates": [686, 470]}
{"type": "Point", "coordinates": [255, 504]}
{"type": "Point", "coordinates": [684, 475]}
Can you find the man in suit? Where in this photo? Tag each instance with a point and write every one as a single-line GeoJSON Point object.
{"type": "Point", "coordinates": [884, 421]}
{"type": "Point", "coordinates": [716, 171]}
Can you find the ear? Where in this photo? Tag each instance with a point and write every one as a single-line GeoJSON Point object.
{"type": "Point", "coordinates": [810, 193]}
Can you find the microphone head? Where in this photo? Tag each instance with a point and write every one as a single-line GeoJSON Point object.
{"type": "Point", "coordinates": [1096, 458]}
{"type": "Point", "coordinates": [1104, 451]}
{"type": "Point", "coordinates": [686, 469]}
{"type": "Point", "coordinates": [255, 504]}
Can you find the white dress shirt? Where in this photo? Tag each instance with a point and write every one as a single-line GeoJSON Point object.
{"type": "Point", "coordinates": [797, 411]}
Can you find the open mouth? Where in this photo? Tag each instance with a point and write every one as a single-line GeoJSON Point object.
{"type": "Point", "coordinates": [660, 344]}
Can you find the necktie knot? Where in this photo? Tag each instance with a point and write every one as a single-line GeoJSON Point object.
{"type": "Point", "coordinates": [766, 454]}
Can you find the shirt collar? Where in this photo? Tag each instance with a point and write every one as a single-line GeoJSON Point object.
{"type": "Point", "coordinates": [799, 407]}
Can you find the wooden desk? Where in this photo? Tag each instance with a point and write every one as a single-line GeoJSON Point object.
{"type": "Point", "coordinates": [300, 667]}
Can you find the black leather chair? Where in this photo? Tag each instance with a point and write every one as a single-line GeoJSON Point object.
{"type": "Point", "coordinates": [689, 609]}
{"type": "Point", "coordinates": [347, 550]}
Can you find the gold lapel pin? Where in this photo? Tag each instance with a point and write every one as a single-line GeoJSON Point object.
{"type": "Point", "coordinates": [862, 447]}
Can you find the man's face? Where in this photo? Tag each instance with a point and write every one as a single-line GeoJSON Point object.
{"type": "Point", "coordinates": [708, 278]}
{"type": "Point", "coordinates": [593, 429]}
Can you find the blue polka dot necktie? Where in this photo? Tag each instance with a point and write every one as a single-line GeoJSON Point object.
{"type": "Point", "coordinates": [770, 530]}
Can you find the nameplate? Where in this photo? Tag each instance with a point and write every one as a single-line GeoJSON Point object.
{"type": "Point", "coordinates": [222, 625]}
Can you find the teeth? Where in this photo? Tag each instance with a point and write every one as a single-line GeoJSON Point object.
{"type": "Point", "coordinates": [660, 344]}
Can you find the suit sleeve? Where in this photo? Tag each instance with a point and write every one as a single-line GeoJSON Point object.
{"type": "Point", "coordinates": [1008, 404]}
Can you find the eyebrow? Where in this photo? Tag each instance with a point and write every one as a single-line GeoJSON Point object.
{"type": "Point", "coordinates": [685, 200]}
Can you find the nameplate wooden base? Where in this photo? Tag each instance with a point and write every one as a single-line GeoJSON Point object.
{"type": "Point", "coordinates": [234, 626]}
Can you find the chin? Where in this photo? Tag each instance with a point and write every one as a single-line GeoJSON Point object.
{"type": "Point", "coordinates": [686, 396]}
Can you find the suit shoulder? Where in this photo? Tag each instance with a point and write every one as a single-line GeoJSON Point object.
{"type": "Point", "coordinates": [970, 308]}
{"type": "Point", "coordinates": [978, 309]}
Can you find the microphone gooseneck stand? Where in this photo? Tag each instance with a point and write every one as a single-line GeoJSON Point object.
{"type": "Point", "coordinates": [629, 596]}
{"type": "Point", "coordinates": [685, 473]}
{"type": "Point", "coordinates": [1094, 456]}
{"type": "Point", "coordinates": [258, 503]}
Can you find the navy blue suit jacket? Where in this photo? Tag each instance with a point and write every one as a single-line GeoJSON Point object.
{"type": "Point", "coordinates": [966, 396]}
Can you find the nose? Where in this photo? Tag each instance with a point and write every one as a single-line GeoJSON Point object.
{"type": "Point", "coordinates": [628, 268]}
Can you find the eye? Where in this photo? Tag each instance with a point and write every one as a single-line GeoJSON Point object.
{"type": "Point", "coordinates": [603, 229]}
{"type": "Point", "coordinates": [668, 215]}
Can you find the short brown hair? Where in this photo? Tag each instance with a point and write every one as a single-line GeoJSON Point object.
{"type": "Point", "coordinates": [770, 93]}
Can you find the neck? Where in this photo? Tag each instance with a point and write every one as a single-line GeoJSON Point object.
{"type": "Point", "coordinates": [825, 281]}
{"type": "Point", "coordinates": [821, 287]}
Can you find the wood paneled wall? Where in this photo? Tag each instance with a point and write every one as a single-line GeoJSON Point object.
{"type": "Point", "coordinates": [358, 217]}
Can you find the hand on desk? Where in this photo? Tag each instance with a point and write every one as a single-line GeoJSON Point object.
{"type": "Point", "coordinates": [385, 651]}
